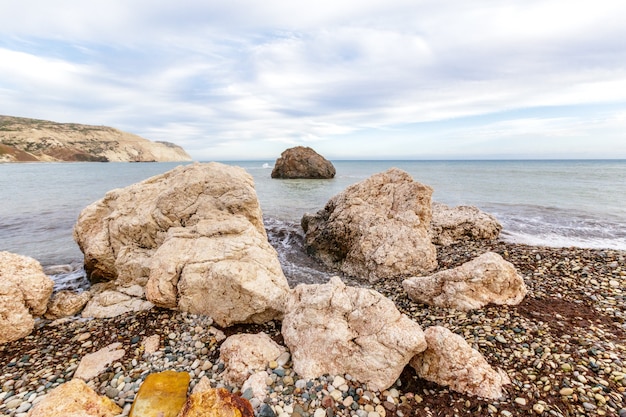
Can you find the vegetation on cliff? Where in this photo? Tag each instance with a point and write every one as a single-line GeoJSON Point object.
{"type": "Point", "coordinates": [29, 140]}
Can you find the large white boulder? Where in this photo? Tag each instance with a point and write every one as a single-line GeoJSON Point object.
{"type": "Point", "coordinates": [193, 237]}
{"type": "Point", "coordinates": [244, 354]}
{"type": "Point", "coordinates": [450, 361]}
{"type": "Point", "coordinates": [24, 294]}
{"type": "Point", "coordinates": [377, 228]}
{"type": "Point", "coordinates": [335, 329]}
{"type": "Point", "coordinates": [487, 279]}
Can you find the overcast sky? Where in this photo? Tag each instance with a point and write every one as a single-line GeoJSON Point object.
{"type": "Point", "coordinates": [366, 79]}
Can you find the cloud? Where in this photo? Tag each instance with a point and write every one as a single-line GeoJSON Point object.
{"type": "Point", "coordinates": [233, 79]}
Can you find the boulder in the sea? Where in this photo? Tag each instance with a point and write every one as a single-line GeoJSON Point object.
{"type": "Point", "coordinates": [487, 279]}
{"type": "Point", "coordinates": [66, 303]}
{"type": "Point", "coordinates": [335, 329]}
{"type": "Point", "coordinates": [161, 394]}
{"type": "Point", "coordinates": [194, 237]}
{"type": "Point", "coordinates": [302, 162]}
{"type": "Point", "coordinates": [451, 225]}
{"type": "Point", "coordinates": [92, 364]}
{"type": "Point", "coordinates": [217, 402]}
{"type": "Point", "coordinates": [244, 354]}
{"type": "Point", "coordinates": [450, 361]}
{"type": "Point", "coordinates": [377, 228]}
{"type": "Point", "coordinates": [72, 399]}
{"type": "Point", "coordinates": [24, 294]}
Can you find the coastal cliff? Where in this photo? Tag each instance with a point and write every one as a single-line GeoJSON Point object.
{"type": "Point", "coordinates": [32, 140]}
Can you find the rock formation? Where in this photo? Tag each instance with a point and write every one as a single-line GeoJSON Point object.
{"type": "Point", "coordinates": [107, 300]}
{"type": "Point", "coordinates": [66, 303]}
{"type": "Point", "coordinates": [243, 354]}
{"type": "Point", "coordinates": [302, 162]}
{"type": "Point", "coordinates": [73, 399]}
{"type": "Point", "coordinates": [194, 237]}
{"type": "Point", "coordinates": [334, 329]}
{"type": "Point", "coordinates": [40, 140]}
{"type": "Point", "coordinates": [24, 294]}
{"type": "Point", "coordinates": [481, 281]}
{"type": "Point", "coordinates": [216, 403]}
{"type": "Point", "coordinates": [450, 361]}
{"type": "Point", "coordinates": [451, 225]}
{"type": "Point", "coordinates": [377, 228]}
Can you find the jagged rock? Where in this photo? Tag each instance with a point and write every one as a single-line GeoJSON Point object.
{"type": "Point", "coordinates": [110, 301]}
{"type": "Point", "coordinates": [151, 344]}
{"type": "Point", "coordinates": [302, 162]}
{"type": "Point", "coordinates": [334, 329]}
{"type": "Point", "coordinates": [92, 364]}
{"type": "Point", "coordinates": [243, 354]}
{"type": "Point", "coordinates": [24, 294]}
{"type": "Point", "coordinates": [216, 403]}
{"type": "Point", "coordinates": [450, 361]}
{"type": "Point", "coordinates": [194, 237]}
{"type": "Point", "coordinates": [74, 399]}
{"type": "Point", "coordinates": [257, 383]}
{"type": "Point", "coordinates": [451, 225]}
{"type": "Point", "coordinates": [377, 228]}
{"type": "Point", "coordinates": [162, 394]}
{"type": "Point", "coordinates": [66, 303]}
{"type": "Point", "coordinates": [481, 281]}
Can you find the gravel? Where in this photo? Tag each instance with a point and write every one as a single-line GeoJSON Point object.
{"type": "Point", "coordinates": [564, 348]}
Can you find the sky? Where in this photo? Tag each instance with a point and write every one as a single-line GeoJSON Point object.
{"type": "Point", "coordinates": [367, 79]}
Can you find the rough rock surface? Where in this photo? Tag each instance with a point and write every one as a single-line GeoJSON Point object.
{"type": "Point", "coordinates": [484, 280]}
{"type": "Point", "coordinates": [66, 303]}
{"type": "Point", "coordinates": [92, 364]}
{"type": "Point", "coordinates": [450, 361]}
{"type": "Point", "coordinates": [23, 139]}
{"type": "Point", "coordinates": [335, 329]}
{"type": "Point", "coordinates": [243, 354]}
{"type": "Point", "coordinates": [302, 162]}
{"type": "Point", "coordinates": [74, 399]}
{"type": "Point", "coordinates": [451, 225]}
{"type": "Point", "coordinates": [110, 301]}
{"type": "Point", "coordinates": [24, 294]}
{"type": "Point", "coordinates": [216, 403]}
{"type": "Point", "coordinates": [194, 237]}
{"type": "Point", "coordinates": [377, 228]}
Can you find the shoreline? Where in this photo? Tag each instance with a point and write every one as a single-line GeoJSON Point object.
{"type": "Point", "coordinates": [564, 347]}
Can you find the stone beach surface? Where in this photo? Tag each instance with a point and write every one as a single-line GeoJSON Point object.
{"type": "Point", "coordinates": [563, 347]}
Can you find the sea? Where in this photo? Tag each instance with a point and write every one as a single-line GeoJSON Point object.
{"type": "Point", "coordinates": [558, 203]}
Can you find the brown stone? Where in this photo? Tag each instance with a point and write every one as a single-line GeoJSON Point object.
{"type": "Point", "coordinates": [216, 403]}
{"type": "Point", "coordinates": [302, 162]}
{"type": "Point", "coordinates": [66, 303]}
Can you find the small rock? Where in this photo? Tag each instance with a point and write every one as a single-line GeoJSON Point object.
{"type": "Point", "coordinates": [319, 412]}
{"type": "Point", "coordinates": [266, 411]}
{"type": "Point", "coordinates": [520, 401]}
{"type": "Point", "coordinates": [538, 408]}
{"type": "Point", "coordinates": [566, 391]}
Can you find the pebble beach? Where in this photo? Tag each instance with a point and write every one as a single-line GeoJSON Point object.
{"type": "Point", "coordinates": [563, 347]}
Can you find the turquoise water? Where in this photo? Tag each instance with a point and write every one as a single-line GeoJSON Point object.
{"type": "Point", "coordinates": [555, 203]}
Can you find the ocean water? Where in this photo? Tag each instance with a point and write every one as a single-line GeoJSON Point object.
{"type": "Point", "coordinates": [552, 203]}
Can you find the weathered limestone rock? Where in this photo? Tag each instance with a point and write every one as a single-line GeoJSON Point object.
{"type": "Point", "coordinates": [334, 329]}
{"type": "Point", "coordinates": [451, 225]}
{"type": "Point", "coordinates": [66, 303]}
{"type": "Point", "coordinates": [151, 344]}
{"type": "Point", "coordinates": [450, 361]}
{"type": "Point", "coordinates": [243, 354]}
{"type": "Point", "coordinates": [110, 301]}
{"type": "Point", "coordinates": [92, 364]}
{"type": "Point", "coordinates": [481, 281]}
{"type": "Point", "coordinates": [74, 399]}
{"type": "Point", "coordinates": [302, 162]}
{"type": "Point", "coordinates": [375, 229]}
{"type": "Point", "coordinates": [216, 403]}
{"type": "Point", "coordinates": [162, 394]}
{"type": "Point", "coordinates": [24, 294]}
{"type": "Point", "coordinates": [193, 237]}
{"type": "Point", "coordinates": [257, 384]}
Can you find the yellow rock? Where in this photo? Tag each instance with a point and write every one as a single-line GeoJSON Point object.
{"type": "Point", "coordinates": [216, 403]}
{"type": "Point", "coordinates": [161, 395]}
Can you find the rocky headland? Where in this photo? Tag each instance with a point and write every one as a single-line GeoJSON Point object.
{"type": "Point", "coordinates": [511, 330]}
{"type": "Point", "coordinates": [32, 140]}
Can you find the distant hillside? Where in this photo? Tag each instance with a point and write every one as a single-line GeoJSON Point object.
{"type": "Point", "coordinates": [23, 140]}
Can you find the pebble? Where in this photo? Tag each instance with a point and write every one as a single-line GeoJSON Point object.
{"type": "Point", "coordinates": [520, 401]}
